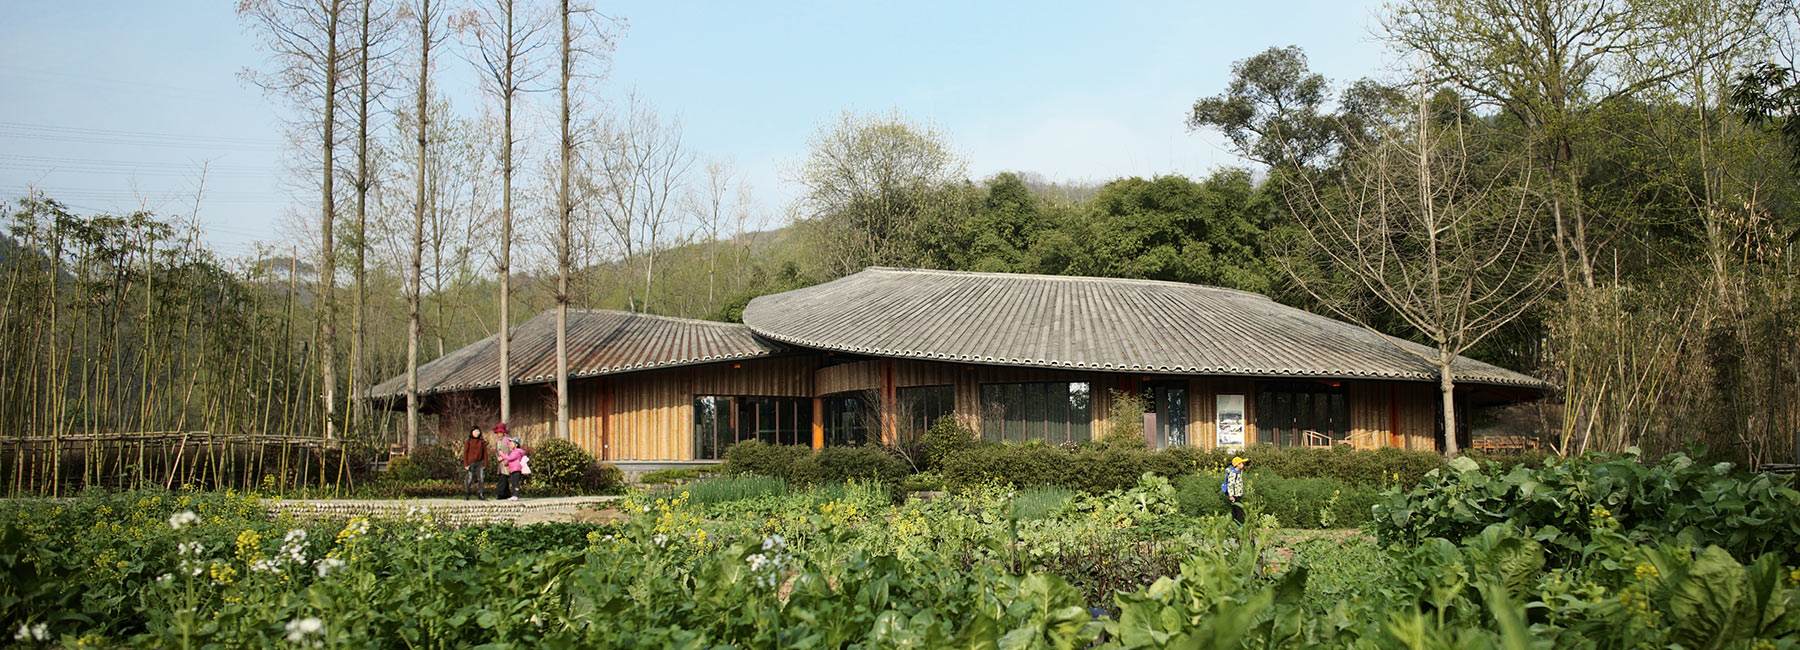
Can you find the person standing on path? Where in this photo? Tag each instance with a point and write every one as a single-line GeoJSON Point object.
{"type": "Point", "coordinates": [475, 455]}
{"type": "Point", "coordinates": [1234, 488]}
{"type": "Point", "coordinates": [511, 462]}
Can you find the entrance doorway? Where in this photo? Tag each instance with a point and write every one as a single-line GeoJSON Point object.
{"type": "Point", "coordinates": [1165, 414]}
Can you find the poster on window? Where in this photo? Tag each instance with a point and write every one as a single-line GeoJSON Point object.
{"type": "Point", "coordinates": [1230, 420]}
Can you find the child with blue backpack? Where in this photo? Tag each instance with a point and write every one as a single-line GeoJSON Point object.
{"type": "Point", "coordinates": [1233, 487]}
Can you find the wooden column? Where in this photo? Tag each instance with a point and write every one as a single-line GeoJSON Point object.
{"type": "Point", "coordinates": [890, 429]}
{"type": "Point", "coordinates": [818, 432]}
{"type": "Point", "coordinates": [605, 412]}
{"type": "Point", "coordinates": [1394, 437]}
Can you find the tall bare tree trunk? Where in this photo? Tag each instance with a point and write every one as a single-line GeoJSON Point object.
{"type": "Point", "coordinates": [418, 248]}
{"type": "Point", "coordinates": [327, 213]}
{"type": "Point", "coordinates": [564, 210]}
{"type": "Point", "coordinates": [506, 222]}
{"type": "Point", "coordinates": [358, 323]}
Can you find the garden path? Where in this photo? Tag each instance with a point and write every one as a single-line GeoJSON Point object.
{"type": "Point", "coordinates": [457, 512]}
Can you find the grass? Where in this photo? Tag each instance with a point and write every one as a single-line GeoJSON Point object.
{"type": "Point", "coordinates": [724, 489]}
{"type": "Point", "coordinates": [1040, 502]}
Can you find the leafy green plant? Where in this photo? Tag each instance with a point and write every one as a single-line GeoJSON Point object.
{"type": "Point", "coordinates": [559, 463]}
{"type": "Point", "coordinates": [1569, 502]}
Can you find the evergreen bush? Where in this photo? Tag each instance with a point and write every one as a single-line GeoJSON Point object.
{"type": "Point", "coordinates": [560, 464]}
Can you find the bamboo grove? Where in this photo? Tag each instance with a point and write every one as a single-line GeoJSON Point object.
{"type": "Point", "coordinates": [131, 356]}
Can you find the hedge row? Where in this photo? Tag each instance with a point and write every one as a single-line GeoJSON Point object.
{"type": "Point", "coordinates": [1098, 468]}
{"type": "Point", "coordinates": [801, 466]}
{"type": "Point", "coordinates": [1295, 502]}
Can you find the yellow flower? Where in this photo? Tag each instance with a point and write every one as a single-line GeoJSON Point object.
{"type": "Point", "coordinates": [1646, 570]}
{"type": "Point", "coordinates": [221, 573]}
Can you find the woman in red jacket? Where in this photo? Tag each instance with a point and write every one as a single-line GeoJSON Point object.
{"type": "Point", "coordinates": [475, 455]}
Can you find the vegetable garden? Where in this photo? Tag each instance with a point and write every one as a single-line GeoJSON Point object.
{"type": "Point", "coordinates": [1587, 552]}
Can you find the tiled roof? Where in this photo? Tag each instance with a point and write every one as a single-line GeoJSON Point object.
{"type": "Point", "coordinates": [1103, 324]}
{"type": "Point", "coordinates": [601, 342]}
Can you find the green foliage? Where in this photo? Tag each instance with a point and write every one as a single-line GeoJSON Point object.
{"type": "Point", "coordinates": [1294, 502]}
{"type": "Point", "coordinates": [1569, 503]}
{"type": "Point", "coordinates": [1105, 466]}
{"type": "Point", "coordinates": [1040, 502]}
{"type": "Point", "coordinates": [1125, 420]}
{"type": "Point", "coordinates": [602, 478]}
{"type": "Point", "coordinates": [845, 464]}
{"type": "Point", "coordinates": [669, 475]}
{"type": "Point", "coordinates": [755, 457]}
{"type": "Point", "coordinates": [945, 437]}
{"type": "Point", "coordinates": [721, 490]}
{"type": "Point", "coordinates": [560, 464]}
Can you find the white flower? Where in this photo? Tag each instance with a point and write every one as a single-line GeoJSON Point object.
{"type": "Point", "coordinates": [646, 508]}
{"type": "Point", "coordinates": [183, 519]}
{"type": "Point", "coordinates": [295, 535]}
{"type": "Point", "coordinates": [327, 565]}
{"type": "Point", "coordinates": [190, 548]}
{"type": "Point", "coordinates": [660, 539]}
{"type": "Point", "coordinates": [302, 631]}
{"type": "Point", "coordinates": [165, 577]}
{"type": "Point", "coordinates": [38, 632]}
{"type": "Point", "coordinates": [757, 561]}
{"type": "Point", "coordinates": [774, 543]}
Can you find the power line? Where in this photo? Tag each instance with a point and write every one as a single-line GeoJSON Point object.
{"type": "Point", "coordinates": [74, 130]}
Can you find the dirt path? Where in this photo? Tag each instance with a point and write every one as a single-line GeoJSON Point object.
{"type": "Point", "coordinates": [456, 512]}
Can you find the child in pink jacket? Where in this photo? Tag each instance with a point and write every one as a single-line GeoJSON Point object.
{"type": "Point", "coordinates": [512, 464]}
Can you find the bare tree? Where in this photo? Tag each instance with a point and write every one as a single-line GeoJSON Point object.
{"type": "Point", "coordinates": [302, 38]}
{"type": "Point", "coordinates": [585, 42]}
{"type": "Point", "coordinates": [1550, 63]}
{"type": "Point", "coordinates": [870, 180]}
{"type": "Point", "coordinates": [643, 167]}
{"type": "Point", "coordinates": [373, 30]}
{"type": "Point", "coordinates": [1419, 225]}
{"type": "Point", "coordinates": [425, 17]}
{"type": "Point", "coordinates": [708, 207]}
{"type": "Point", "coordinates": [504, 46]}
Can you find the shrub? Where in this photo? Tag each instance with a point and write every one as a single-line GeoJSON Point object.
{"type": "Point", "coordinates": [1295, 502]}
{"type": "Point", "coordinates": [1125, 419]}
{"type": "Point", "coordinates": [945, 437]}
{"type": "Point", "coordinates": [754, 457]}
{"type": "Point", "coordinates": [923, 482]}
{"type": "Point", "coordinates": [602, 478]}
{"type": "Point", "coordinates": [669, 475]}
{"type": "Point", "coordinates": [402, 469]}
{"type": "Point", "coordinates": [843, 464]}
{"type": "Point", "coordinates": [560, 464]}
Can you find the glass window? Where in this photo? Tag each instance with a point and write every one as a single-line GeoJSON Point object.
{"type": "Point", "coordinates": [1302, 414]}
{"type": "Point", "coordinates": [921, 406]}
{"type": "Point", "coordinates": [849, 419]}
{"type": "Point", "coordinates": [1051, 412]}
{"type": "Point", "coordinates": [723, 420]}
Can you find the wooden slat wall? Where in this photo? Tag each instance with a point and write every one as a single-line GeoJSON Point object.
{"type": "Point", "coordinates": [1203, 406]}
{"type": "Point", "coordinates": [653, 412]}
{"type": "Point", "coordinates": [1369, 417]}
{"type": "Point", "coordinates": [1418, 415]}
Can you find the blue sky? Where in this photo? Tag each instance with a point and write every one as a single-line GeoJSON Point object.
{"type": "Point", "coordinates": [109, 104]}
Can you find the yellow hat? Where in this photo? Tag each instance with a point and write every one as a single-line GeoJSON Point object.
{"type": "Point", "coordinates": [1239, 460]}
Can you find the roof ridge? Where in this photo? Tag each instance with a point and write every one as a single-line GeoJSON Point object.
{"type": "Point", "coordinates": [621, 312]}
{"type": "Point", "coordinates": [1072, 278]}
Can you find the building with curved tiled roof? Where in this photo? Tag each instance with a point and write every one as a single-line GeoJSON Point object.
{"type": "Point", "coordinates": [884, 352]}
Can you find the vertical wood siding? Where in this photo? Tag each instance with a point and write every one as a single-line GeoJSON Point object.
{"type": "Point", "coordinates": [649, 415]}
